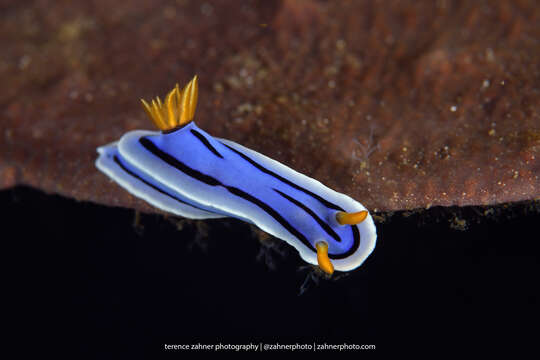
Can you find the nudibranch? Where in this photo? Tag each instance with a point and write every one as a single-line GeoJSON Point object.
{"type": "Point", "coordinates": [183, 170]}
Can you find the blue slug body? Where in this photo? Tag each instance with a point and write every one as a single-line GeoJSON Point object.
{"type": "Point", "coordinates": [190, 173]}
{"type": "Point", "coordinates": [185, 171]}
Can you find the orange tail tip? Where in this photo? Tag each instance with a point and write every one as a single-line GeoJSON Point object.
{"type": "Point", "coordinates": [178, 108]}
{"type": "Point", "coordinates": [322, 258]}
{"type": "Point", "coordinates": [344, 218]}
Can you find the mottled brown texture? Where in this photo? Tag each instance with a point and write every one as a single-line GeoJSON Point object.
{"type": "Point", "coordinates": [399, 104]}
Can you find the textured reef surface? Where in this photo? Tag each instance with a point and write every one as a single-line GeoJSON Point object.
{"type": "Point", "coordinates": [399, 104]}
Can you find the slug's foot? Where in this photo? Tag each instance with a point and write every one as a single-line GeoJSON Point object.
{"type": "Point", "coordinates": [270, 247]}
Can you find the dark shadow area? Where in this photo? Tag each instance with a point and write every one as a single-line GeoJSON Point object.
{"type": "Point", "coordinates": [82, 278]}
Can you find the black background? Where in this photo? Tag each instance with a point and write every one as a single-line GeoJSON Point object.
{"type": "Point", "coordinates": [82, 279]}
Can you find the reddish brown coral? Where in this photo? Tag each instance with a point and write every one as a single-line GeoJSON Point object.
{"type": "Point", "coordinates": [398, 104]}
